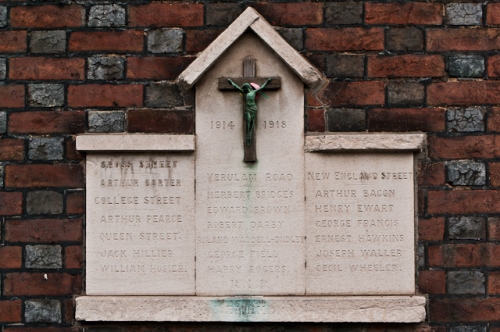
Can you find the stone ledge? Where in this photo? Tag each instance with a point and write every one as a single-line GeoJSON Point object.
{"type": "Point", "coordinates": [363, 309]}
{"type": "Point", "coordinates": [365, 142]}
{"type": "Point", "coordinates": [135, 142]}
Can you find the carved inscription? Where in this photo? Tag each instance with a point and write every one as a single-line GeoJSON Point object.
{"type": "Point", "coordinates": [360, 223]}
{"type": "Point", "coordinates": [140, 224]}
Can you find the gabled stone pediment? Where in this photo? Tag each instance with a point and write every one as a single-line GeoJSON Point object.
{"type": "Point", "coordinates": [250, 19]}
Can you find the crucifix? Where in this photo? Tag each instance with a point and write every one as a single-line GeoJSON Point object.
{"type": "Point", "coordinates": [249, 85]}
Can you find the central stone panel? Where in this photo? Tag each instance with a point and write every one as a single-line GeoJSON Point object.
{"type": "Point", "coordinates": [250, 217]}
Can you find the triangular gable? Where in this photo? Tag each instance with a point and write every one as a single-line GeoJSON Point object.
{"type": "Point", "coordinates": [251, 19]}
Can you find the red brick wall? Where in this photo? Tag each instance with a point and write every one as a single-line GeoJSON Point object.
{"type": "Point", "coordinates": [69, 67]}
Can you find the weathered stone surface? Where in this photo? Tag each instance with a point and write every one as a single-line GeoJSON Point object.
{"type": "Point", "coordinates": [466, 282]}
{"type": "Point", "coordinates": [46, 148]}
{"type": "Point", "coordinates": [466, 173]}
{"type": "Point", "coordinates": [468, 328]}
{"type": "Point", "coordinates": [343, 13]}
{"type": "Point", "coordinates": [106, 121]}
{"type": "Point", "coordinates": [44, 202]}
{"type": "Point", "coordinates": [259, 309]}
{"type": "Point", "coordinates": [46, 95]}
{"type": "Point", "coordinates": [106, 16]}
{"type": "Point", "coordinates": [463, 120]}
{"type": "Point", "coordinates": [404, 39]}
{"type": "Point", "coordinates": [2, 172]}
{"type": "Point", "coordinates": [49, 41]}
{"type": "Point", "coordinates": [466, 66]}
{"type": "Point", "coordinates": [136, 142]}
{"type": "Point", "coordinates": [3, 16]}
{"type": "Point", "coordinates": [364, 142]}
{"type": "Point", "coordinates": [42, 311]}
{"type": "Point", "coordinates": [3, 122]}
{"type": "Point", "coordinates": [43, 257]}
{"type": "Point", "coordinates": [467, 228]}
{"type": "Point", "coordinates": [165, 40]}
{"type": "Point", "coordinates": [165, 95]}
{"type": "Point", "coordinates": [346, 119]}
{"type": "Point", "coordinates": [222, 13]}
{"type": "Point", "coordinates": [464, 14]}
{"type": "Point", "coordinates": [405, 94]}
{"type": "Point", "coordinates": [294, 37]}
{"type": "Point", "coordinates": [421, 255]}
{"type": "Point", "coordinates": [105, 68]}
{"type": "Point", "coordinates": [345, 65]}
{"type": "Point", "coordinates": [3, 68]}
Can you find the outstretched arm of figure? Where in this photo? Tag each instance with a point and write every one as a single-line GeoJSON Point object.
{"type": "Point", "coordinates": [264, 85]}
{"type": "Point", "coordinates": [235, 85]}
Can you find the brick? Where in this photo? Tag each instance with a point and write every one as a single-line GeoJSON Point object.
{"type": "Point", "coordinates": [24, 328]}
{"type": "Point", "coordinates": [47, 68]}
{"type": "Point", "coordinates": [222, 13]}
{"type": "Point", "coordinates": [346, 39]}
{"type": "Point", "coordinates": [494, 119]}
{"type": "Point", "coordinates": [343, 13]}
{"type": "Point", "coordinates": [53, 42]}
{"type": "Point", "coordinates": [43, 256]}
{"type": "Point", "coordinates": [464, 147]}
{"type": "Point", "coordinates": [106, 122]}
{"type": "Point", "coordinates": [3, 122]}
{"type": "Point", "coordinates": [470, 119]}
{"type": "Point", "coordinates": [198, 40]}
{"type": "Point", "coordinates": [345, 65]}
{"type": "Point", "coordinates": [11, 95]}
{"type": "Point", "coordinates": [404, 39]}
{"type": "Point", "coordinates": [71, 152]}
{"type": "Point", "coordinates": [47, 16]}
{"type": "Point", "coordinates": [494, 173]}
{"type": "Point", "coordinates": [44, 202]}
{"type": "Point", "coordinates": [12, 258]}
{"type": "Point", "coordinates": [466, 228]}
{"type": "Point", "coordinates": [106, 16]}
{"type": "Point", "coordinates": [346, 119]}
{"type": "Point", "coordinates": [291, 14]}
{"type": "Point", "coordinates": [466, 173]}
{"type": "Point", "coordinates": [494, 228]}
{"type": "Point", "coordinates": [462, 255]}
{"type": "Point", "coordinates": [165, 40]}
{"type": "Point", "coordinates": [11, 149]}
{"type": "Point", "coordinates": [420, 13]}
{"type": "Point", "coordinates": [493, 13]}
{"type": "Point", "coordinates": [464, 93]}
{"type": "Point", "coordinates": [75, 203]}
{"type": "Point", "coordinates": [3, 69]}
{"type": "Point", "coordinates": [432, 282]}
{"type": "Point", "coordinates": [13, 41]}
{"type": "Point", "coordinates": [466, 66]}
{"type": "Point", "coordinates": [166, 95]}
{"type": "Point", "coordinates": [481, 39]}
{"type": "Point", "coordinates": [406, 119]}
{"type": "Point", "coordinates": [494, 66]}
{"type": "Point", "coordinates": [315, 120]}
{"type": "Point", "coordinates": [465, 310]}
{"type": "Point", "coordinates": [105, 68]}
{"type": "Point", "coordinates": [317, 60]}
{"type": "Point", "coordinates": [10, 311]}
{"type": "Point", "coordinates": [46, 148]}
{"type": "Point", "coordinates": [27, 176]}
{"type": "Point", "coordinates": [164, 15]}
{"type": "Point", "coordinates": [435, 254]}
{"type": "Point", "coordinates": [33, 284]}
{"type": "Point", "coordinates": [466, 282]}
{"type": "Point", "coordinates": [405, 94]}
{"type": "Point", "coordinates": [406, 66]}
{"type": "Point", "coordinates": [69, 310]}
{"type": "Point", "coordinates": [156, 67]}
{"type": "Point", "coordinates": [494, 283]}
{"type": "Point", "coordinates": [431, 174]}
{"type": "Point", "coordinates": [113, 41]}
{"type": "Point", "coordinates": [45, 95]}
{"type": "Point", "coordinates": [43, 230]}
{"type": "Point", "coordinates": [431, 229]}
{"type": "Point", "coordinates": [11, 203]}
{"type": "Point", "coordinates": [48, 122]}
{"type": "Point", "coordinates": [294, 37]}
{"type": "Point", "coordinates": [353, 93]}
{"type": "Point", "coordinates": [464, 201]}
{"type": "Point", "coordinates": [96, 95]}
{"type": "Point", "coordinates": [464, 13]}
{"type": "Point", "coordinates": [42, 311]}
{"type": "Point", "coordinates": [161, 121]}
{"type": "Point", "coordinates": [74, 257]}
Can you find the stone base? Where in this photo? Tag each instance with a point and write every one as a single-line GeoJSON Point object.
{"type": "Point", "coordinates": [359, 309]}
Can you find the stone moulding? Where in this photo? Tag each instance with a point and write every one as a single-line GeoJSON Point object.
{"type": "Point", "coordinates": [135, 142]}
{"type": "Point", "coordinates": [362, 309]}
{"type": "Point", "coordinates": [364, 142]}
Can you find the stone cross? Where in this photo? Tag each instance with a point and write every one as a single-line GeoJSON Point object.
{"type": "Point", "coordinates": [249, 76]}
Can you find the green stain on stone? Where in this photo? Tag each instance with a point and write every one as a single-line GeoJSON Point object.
{"type": "Point", "coordinates": [240, 309]}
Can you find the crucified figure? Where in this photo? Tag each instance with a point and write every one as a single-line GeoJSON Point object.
{"type": "Point", "coordinates": [250, 107]}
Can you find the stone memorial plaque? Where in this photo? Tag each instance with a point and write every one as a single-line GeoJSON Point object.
{"type": "Point", "coordinates": [140, 224]}
{"type": "Point", "coordinates": [360, 223]}
{"type": "Point", "coordinates": [250, 216]}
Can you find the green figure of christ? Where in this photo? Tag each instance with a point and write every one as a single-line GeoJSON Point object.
{"type": "Point", "coordinates": [250, 95]}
